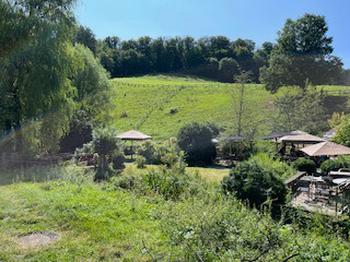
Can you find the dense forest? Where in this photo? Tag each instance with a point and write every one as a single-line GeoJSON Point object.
{"type": "Point", "coordinates": [218, 57]}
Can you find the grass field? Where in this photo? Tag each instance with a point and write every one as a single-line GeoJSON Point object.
{"type": "Point", "coordinates": [145, 103]}
{"type": "Point", "coordinates": [107, 222]}
{"type": "Point", "coordinates": [209, 174]}
{"type": "Point", "coordinates": [93, 224]}
{"type": "Point", "coordinates": [98, 222]}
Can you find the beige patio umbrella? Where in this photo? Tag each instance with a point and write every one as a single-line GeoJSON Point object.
{"type": "Point", "coordinates": [301, 139]}
{"type": "Point", "coordinates": [134, 135]}
{"type": "Point", "coordinates": [326, 149]}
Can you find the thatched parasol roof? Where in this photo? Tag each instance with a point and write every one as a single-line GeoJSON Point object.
{"type": "Point", "coordinates": [301, 139]}
{"type": "Point", "coordinates": [326, 149]}
{"type": "Point", "coordinates": [277, 135]}
{"type": "Point", "coordinates": [134, 135]}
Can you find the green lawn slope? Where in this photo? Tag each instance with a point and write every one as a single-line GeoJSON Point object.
{"type": "Point", "coordinates": [161, 105]}
{"type": "Point", "coordinates": [104, 222]}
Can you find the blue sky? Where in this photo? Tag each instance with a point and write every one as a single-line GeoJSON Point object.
{"type": "Point", "coordinates": [258, 20]}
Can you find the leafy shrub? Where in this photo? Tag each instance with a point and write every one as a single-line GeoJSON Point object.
{"type": "Point", "coordinates": [329, 165]}
{"type": "Point", "coordinates": [342, 135]}
{"type": "Point", "coordinates": [333, 165]}
{"type": "Point", "coordinates": [280, 169]}
{"type": "Point", "coordinates": [118, 161]}
{"type": "Point", "coordinates": [344, 161]}
{"type": "Point", "coordinates": [305, 164]}
{"type": "Point", "coordinates": [172, 157]}
{"type": "Point", "coordinates": [105, 141]}
{"type": "Point", "coordinates": [241, 150]}
{"type": "Point", "coordinates": [86, 149]}
{"type": "Point", "coordinates": [140, 162]}
{"type": "Point", "coordinates": [105, 144]}
{"type": "Point", "coordinates": [149, 151]}
{"type": "Point", "coordinates": [267, 147]}
{"type": "Point", "coordinates": [196, 141]}
{"type": "Point", "coordinates": [255, 183]}
{"type": "Point", "coordinates": [167, 183]}
{"type": "Point", "coordinates": [166, 153]}
{"type": "Point", "coordinates": [127, 182]}
{"type": "Point", "coordinates": [174, 183]}
{"type": "Point", "coordinates": [223, 229]}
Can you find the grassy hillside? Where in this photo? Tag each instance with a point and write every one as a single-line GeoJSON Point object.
{"type": "Point", "coordinates": [160, 105]}
{"type": "Point", "coordinates": [108, 222]}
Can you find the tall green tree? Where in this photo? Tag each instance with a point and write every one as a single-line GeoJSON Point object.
{"type": "Point", "coordinates": [301, 109]}
{"type": "Point", "coordinates": [91, 81]}
{"type": "Point", "coordinates": [302, 53]}
{"type": "Point", "coordinates": [87, 38]}
{"type": "Point", "coordinates": [92, 100]}
{"type": "Point", "coordinates": [342, 128]}
{"type": "Point", "coordinates": [228, 68]}
{"type": "Point", "coordinates": [196, 141]}
{"type": "Point", "coordinates": [35, 71]}
{"type": "Point", "coordinates": [21, 21]}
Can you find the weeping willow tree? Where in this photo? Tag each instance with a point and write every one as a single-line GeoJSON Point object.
{"type": "Point", "coordinates": [36, 65]}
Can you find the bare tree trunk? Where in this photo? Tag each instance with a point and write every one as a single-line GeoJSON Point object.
{"type": "Point", "coordinates": [240, 110]}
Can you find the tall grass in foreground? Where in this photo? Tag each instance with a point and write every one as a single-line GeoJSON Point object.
{"type": "Point", "coordinates": [133, 218]}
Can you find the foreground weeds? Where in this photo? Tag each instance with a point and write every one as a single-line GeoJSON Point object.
{"type": "Point", "coordinates": [147, 218]}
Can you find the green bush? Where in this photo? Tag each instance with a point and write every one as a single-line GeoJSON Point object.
{"type": "Point", "coordinates": [305, 164]}
{"type": "Point", "coordinates": [281, 169]}
{"type": "Point", "coordinates": [127, 182]}
{"type": "Point", "coordinates": [196, 141]}
{"type": "Point", "coordinates": [86, 149]}
{"type": "Point", "coordinates": [255, 183]}
{"type": "Point", "coordinates": [344, 161]}
{"type": "Point", "coordinates": [241, 150]}
{"type": "Point", "coordinates": [329, 165]}
{"type": "Point", "coordinates": [140, 162]}
{"type": "Point", "coordinates": [167, 183]}
{"type": "Point", "coordinates": [223, 229]}
{"type": "Point", "coordinates": [173, 184]}
{"type": "Point", "coordinates": [333, 165]}
{"type": "Point", "coordinates": [149, 151]}
{"type": "Point", "coordinates": [166, 153]}
{"type": "Point", "coordinates": [105, 144]}
{"type": "Point", "coordinates": [343, 131]}
{"type": "Point", "coordinates": [105, 141]}
{"type": "Point", "coordinates": [267, 147]}
{"type": "Point", "coordinates": [118, 161]}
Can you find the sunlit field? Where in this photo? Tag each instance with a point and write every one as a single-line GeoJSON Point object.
{"type": "Point", "coordinates": [161, 105]}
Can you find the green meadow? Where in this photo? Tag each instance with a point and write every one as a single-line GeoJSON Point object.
{"type": "Point", "coordinates": [117, 221]}
{"type": "Point", "coordinates": [161, 105]}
